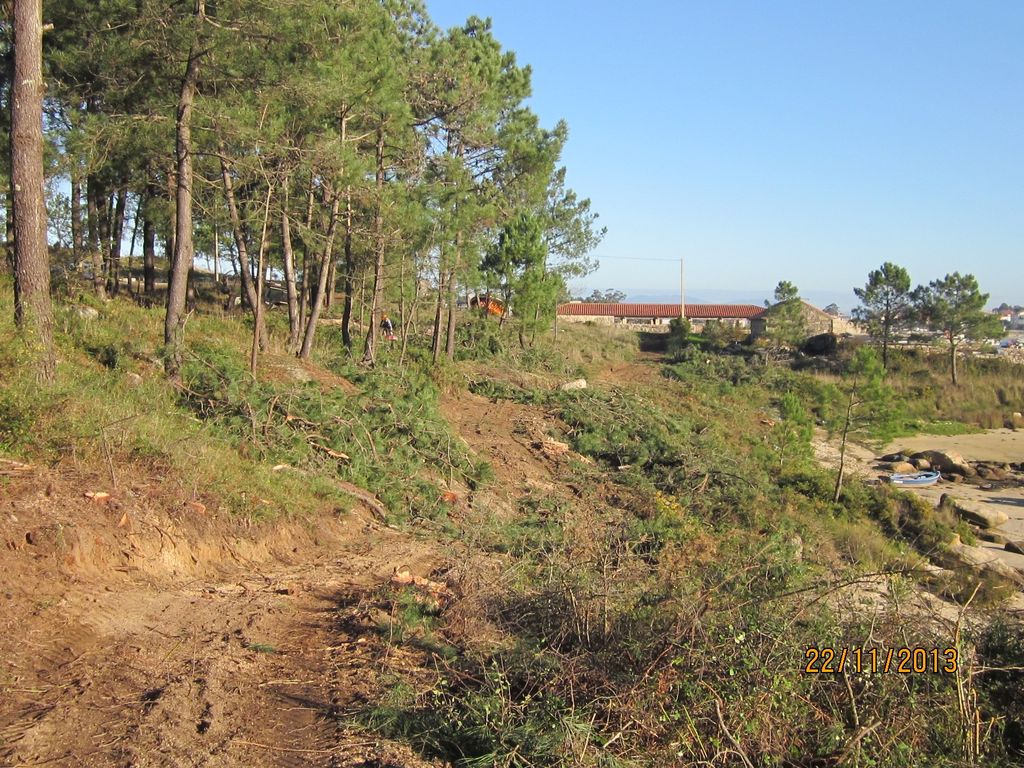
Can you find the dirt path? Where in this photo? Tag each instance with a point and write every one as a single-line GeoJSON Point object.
{"type": "Point", "coordinates": [144, 632]}
{"type": "Point", "coordinates": [156, 647]}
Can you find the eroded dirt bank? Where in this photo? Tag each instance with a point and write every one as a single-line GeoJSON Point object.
{"type": "Point", "coordinates": [140, 632]}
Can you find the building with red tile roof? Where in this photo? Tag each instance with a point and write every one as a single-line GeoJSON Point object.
{"type": "Point", "coordinates": [656, 314]}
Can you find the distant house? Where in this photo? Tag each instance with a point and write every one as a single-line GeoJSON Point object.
{"type": "Point", "coordinates": [656, 314]}
{"type": "Point", "coordinates": [816, 321]}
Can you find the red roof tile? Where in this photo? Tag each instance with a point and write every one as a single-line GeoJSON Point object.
{"type": "Point", "coordinates": [693, 311]}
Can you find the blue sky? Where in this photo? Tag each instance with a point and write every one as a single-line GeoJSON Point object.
{"type": "Point", "coordinates": [808, 141]}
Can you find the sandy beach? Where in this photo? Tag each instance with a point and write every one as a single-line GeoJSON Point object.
{"type": "Point", "coordinates": [996, 445]}
{"type": "Point", "coordinates": [1003, 445]}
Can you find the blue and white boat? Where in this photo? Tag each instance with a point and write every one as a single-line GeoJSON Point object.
{"type": "Point", "coordinates": [915, 478]}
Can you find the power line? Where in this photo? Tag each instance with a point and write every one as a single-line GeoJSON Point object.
{"type": "Point", "coordinates": [634, 258]}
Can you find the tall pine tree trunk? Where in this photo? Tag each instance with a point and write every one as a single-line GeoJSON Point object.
{"type": "Point", "coordinates": [349, 281]}
{"type": "Point", "coordinates": [9, 191]}
{"type": "Point", "coordinates": [304, 286]}
{"type": "Point", "coordinates": [321, 287]}
{"type": "Point", "coordinates": [370, 349]}
{"type": "Point", "coordinates": [184, 251]}
{"type": "Point", "coordinates": [103, 212]}
{"type": "Point", "coordinates": [131, 245]}
{"type": "Point", "coordinates": [149, 242]}
{"type": "Point", "coordinates": [216, 255]}
{"type": "Point", "coordinates": [33, 313]}
{"type": "Point", "coordinates": [435, 344]}
{"type": "Point", "coordinates": [260, 283]}
{"type": "Point", "coordinates": [362, 302]}
{"type": "Point", "coordinates": [172, 182]}
{"type": "Point", "coordinates": [289, 276]}
{"type": "Point", "coordinates": [76, 219]}
{"type": "Point", "coordinates": [331, 276]}
{"type": "Point", "coordinates": [323, 268]}
{"type": "Point", "coordinates": [449, 347]}
{"type": "Point", "coordinates": [116, 235]}
{"type": "Point", "coordinates": [245, 269]}
{"type": "Point", "coordinates": [93, 194]}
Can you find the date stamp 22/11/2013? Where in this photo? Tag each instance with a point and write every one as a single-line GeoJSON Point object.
{"type": "Point", "coordinates": [903, 661]}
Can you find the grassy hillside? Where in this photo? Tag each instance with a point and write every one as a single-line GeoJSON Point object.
{"type": "Point", "coordinates": [991, 388]}
{"type": "Point", "coordinates": [264, 446]}
{"type": "Point", "coordinates": [640, 589]}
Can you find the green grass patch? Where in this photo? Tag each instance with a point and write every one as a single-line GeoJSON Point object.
{"type": "Point", "coordinates": [256, 448]}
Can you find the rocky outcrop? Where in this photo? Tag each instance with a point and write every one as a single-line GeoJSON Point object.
{"type": "Point", "coordinates": [989, 535]}
{"type": "Point", "coordinates": [577, 384]}
{"type": "Point", "coordinates": [902, 467]}
{"type": "Point", "coordinates": [947, 462]}
{"type": "Point", "coordinates": [983, 561]}
{"type": "Point", "coordinates": [988, 471]}
{"type": "Point", "coordinates": [974, 513]}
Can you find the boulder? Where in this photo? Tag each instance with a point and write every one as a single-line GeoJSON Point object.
{"type": "Point", "coordinates": [577, 384]}
{"type": "Point", "coordinates": [132, 380]}
{"type": "Point", "coordinates": [983, 560]}
{"type": "Point", "coordinates": [947, 462]}
{"type": "Point", "coordinates": [902, 467]}
{"type": "Point", "coordinates": [922, 465]}
{"type": "Point", "coordinates": [972, 512]}
{"type": "Point", "coordinates": [990, 536]}
{"type": "Point", "coordinates": [988, 472]}
{"type": "Point", "coordinates": [87, 313]}
{"type": "Point", "coordinates": [894, 457]}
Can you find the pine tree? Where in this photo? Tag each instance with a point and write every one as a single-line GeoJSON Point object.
{"type": "Point", "coordinates": [787, 324]}
{"type": "Point", "coordinates": [955, 306]}
{"type": "Point", "coordinates": [33, 313]}
{"type": "Point", "coordinates": [863, 403]}
{"type": "Point", "coordinates": [886, 304]}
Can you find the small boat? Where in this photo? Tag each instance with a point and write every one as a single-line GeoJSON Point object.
{"type": "Point", "coordinates": [914, 478]}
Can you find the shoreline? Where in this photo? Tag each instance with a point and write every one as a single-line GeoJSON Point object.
{"type": "Point", "coordinates": [998, 445]}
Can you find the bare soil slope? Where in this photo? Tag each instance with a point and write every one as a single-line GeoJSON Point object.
{"type": "Point", "coordinates": [142, 632]}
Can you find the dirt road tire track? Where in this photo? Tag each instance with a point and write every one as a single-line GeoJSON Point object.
{"type": "Point", "coordinates": [201, 644]}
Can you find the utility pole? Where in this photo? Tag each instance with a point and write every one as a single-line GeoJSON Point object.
{"type": "Point", "coordinates": [682, 293]}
